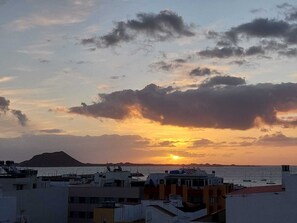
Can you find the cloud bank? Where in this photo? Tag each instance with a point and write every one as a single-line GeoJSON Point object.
{"type": "Point", "coordinates": [233, 105]}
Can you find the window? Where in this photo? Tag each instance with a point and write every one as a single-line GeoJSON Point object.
{"type": "Point", "coordinates": [82, 200]}
{"type": "Point", "coordinates": [90, 215]}
{"type": "Point", "coordinates": [94, 200]}
{"type": "Point", "coordinates": [19, 187]}
{"type": "Point", "coordinates": [82, 214]}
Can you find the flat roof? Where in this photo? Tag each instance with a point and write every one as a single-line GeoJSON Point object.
{"type": "Point", "coordinates": [260, 189]}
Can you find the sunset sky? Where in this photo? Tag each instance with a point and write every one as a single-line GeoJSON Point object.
{"type": "Point", "coordinates": [149, 81]}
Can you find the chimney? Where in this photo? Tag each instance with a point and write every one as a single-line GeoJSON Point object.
{"type": "Point", "coordinates": [285, 174]}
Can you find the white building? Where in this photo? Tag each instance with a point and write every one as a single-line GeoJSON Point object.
{"type": "Point", "coordinates": [25, 198]}
{"type": "Point", "coordinates": [273, 204]}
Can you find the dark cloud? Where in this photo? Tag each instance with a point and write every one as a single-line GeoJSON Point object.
{"type": "Point", "coordinates": [167, 65]}
{"type": "Point", "coordinates": [231, 51]}
{"type": "Point", "coordinates": [223, 52]}
{"type": "Point", "coordinates": [224, 43]}
{"type": "Point", "coordinates": [254, 50]}
{"type": "Point", "coordinates": [22, 118]}
{"type": "Point", "coordinates": [290, 11]}
{"type": "Point", "coordinates": [292, 16]}
{"type": "Point", "coordinates": [234, 107]}
{"type": "Point", "coordinates": [51, 131]}
{"type": "Point", "coordinates": [273, 45]}
{"type": "Point", "coordinates": [166, 143]}
{"type": "Point", "coordinates": [116, 77]}
{"type": "Point", "coordinates": [223, 80]}
{"type": "Point", "coordinates": [265, 28]}
{"type": "Point", "coordinates": [212, 34]}
{"type": "Point", "coordinates": [284, 5]}
{"type": "Point", "coordinates": [239, 62]}
{"type": "Point", "coordinates": [180, 60]}
{"type": "Point", "coordinates": [257, 10]}
{"type": "Point", "coordinates": [91, 40]}
{"type": "Point", "coordinates": [43, 61]}
{"type": "Point", "coordinates": [162, 65]}
{"type": "Point", "coordinates": [4, 104]}
{"type": "Point", "coordinates": [203, 71]}
{"type": "Point", "coordinates": [157, 27]}
{"type": "Point", "coordinates": [277, 139]}
{"type": "Point", "coordinates": [202, 143]}
{"type": "Point", "coordinates": [4, 107]}
{"type": "Point", "coordinates": [291, 52]}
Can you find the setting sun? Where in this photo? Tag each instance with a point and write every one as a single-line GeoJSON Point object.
{"type": "Point", "coordinates": [174, 157]}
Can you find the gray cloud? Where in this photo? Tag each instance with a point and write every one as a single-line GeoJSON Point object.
{"type": "Point", "coordinates": [239, 62]}
{"type": "Point", "coordinates": [290, 11]}
{"type": "Point", "coordinates": [4, 107]}
{"type": "Point", "coordinates": [51, 131]}
{"type": "Point", "coordinates": [166, 66]}
{"type": "Point", "coordinates": [277, 139]}
{"type": "Point", "coordinates": [265, 28]}
{"type": "Point", "coordinates": [202, 143]}
{"type": "Point", "coordinates": [292, 16]}
{"type": "Point", "coordinates": [290, 52]}
{"type": "Point", "coordinates": [116, 77]}
{"type": "Point", "coordinates": [43, 61]}
{"type": "Point", "coordinates": [4, 104]}
{"type": "Point", "coordinates": [259, 10]}
{"type": "Point", "coordinates": [223, 52]}
{"type": "Point", "coordinates": [180, 60]}
{"type": "Point", "coordinates": [156, 27]}
{"type": "Point", "coordinates": [233, 107]}
{"type": "Point", "coordinates": [22, 118]}
{"type": "Point", "coordinates": [231, 51]}
{"type": "Point", "coordinates": [166, 143]}
{"type": "Point", "coordinates": [203, 71]}
{"type": "Point", "coordinates": [223, 80]}
{"type": "Point", "coordinates": [273, 45]}
{"type": "Point", "coordinates": [254, 50]}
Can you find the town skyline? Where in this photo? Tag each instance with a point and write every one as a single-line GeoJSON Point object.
{"type": "Point", "coordinates": [150, 81]}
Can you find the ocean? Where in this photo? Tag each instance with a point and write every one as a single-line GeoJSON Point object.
{"type": "Point", "coordinates": [242, 175]}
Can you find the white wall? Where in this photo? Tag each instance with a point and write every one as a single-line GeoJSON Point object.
{"type": "Point", "coordinates": [128, 213]}
{"type": "Point", "coordinates": [157, 215]}
{"type": "Point", "coordinates": [7, 209]}
{"type": "Point", "coordinates": [280, 207]}
{"type": "Point", "coordinates": [46, 205]}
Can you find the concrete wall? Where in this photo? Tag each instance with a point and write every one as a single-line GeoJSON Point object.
{"type": "Point", "coordinates": [45, 205]}
{"type": "Point", "coordinates": [7, 209]}
{"type": "Point", "coordinates": [128, 213]}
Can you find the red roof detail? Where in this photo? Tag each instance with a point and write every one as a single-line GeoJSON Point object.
{"type": "Point", "coordinates": [261, 189]}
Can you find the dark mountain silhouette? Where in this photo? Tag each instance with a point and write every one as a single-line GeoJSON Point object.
{"type": "Point", "coordinates": [55, 159]}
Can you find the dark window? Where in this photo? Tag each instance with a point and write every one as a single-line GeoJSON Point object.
{"type": "Point", "coordinates": [82, 214]}
{"type": "Point", "coordinates": [90, 215]}
{"type": "Point", "coordinates": [34, 186]}
{"type": "Point", "coordinates": [134, 200]}
{"type": "Point", "coordinates": [219, 192]}
{"type": "Point", "coordinates": [19, 187]}
{"type": "Point", "coordinates": [82, 200]}
{"type": "Point", "coordinates": [73, 214]}
{"type": "Point", "coordinates": [94, 200]}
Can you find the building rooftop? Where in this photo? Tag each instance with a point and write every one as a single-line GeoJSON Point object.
{"type": "Point", "coordinates": [260, 189]}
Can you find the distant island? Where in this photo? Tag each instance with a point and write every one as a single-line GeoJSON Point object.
{"type": "Point", "coordinates": [62, 159]}
{"type": "Point", "coordinates": [55, 159]}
